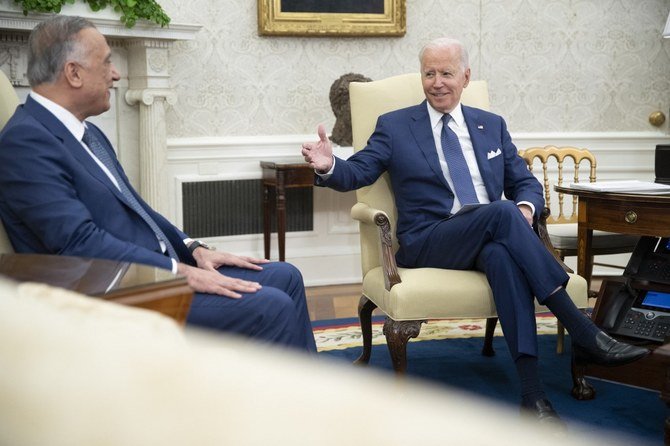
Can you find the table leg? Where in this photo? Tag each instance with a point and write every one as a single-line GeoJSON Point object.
{"type": "Point", "coordinates": [281, 215]}
{"type": "Point", "coordinates": [266, 221]}
{"type": "Point", "coordinates": [585, 241]}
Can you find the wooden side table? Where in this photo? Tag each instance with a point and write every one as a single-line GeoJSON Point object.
{"type": "Point", "coordinates": [120, 282]}
{"type": "Point", "coordinates": [281, 176]}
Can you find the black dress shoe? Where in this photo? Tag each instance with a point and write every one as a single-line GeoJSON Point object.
{"type": "Point", "coordinates": [609, 352]}
{"type": "Point", "coordinates": [543, 412]}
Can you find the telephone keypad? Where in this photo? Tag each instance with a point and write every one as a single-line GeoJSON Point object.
{"type": "Point", "coordinates": [645, 325]}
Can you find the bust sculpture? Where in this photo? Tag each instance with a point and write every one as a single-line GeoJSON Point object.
{"type": "Point", "coordinates": [339, 102]}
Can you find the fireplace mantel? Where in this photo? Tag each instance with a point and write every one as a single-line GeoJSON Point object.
{"type": "Point", "coordinates": [136, 122]}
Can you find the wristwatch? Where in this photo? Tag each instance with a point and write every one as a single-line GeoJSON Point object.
{"type": "Point", "coordinates": [198, 244]}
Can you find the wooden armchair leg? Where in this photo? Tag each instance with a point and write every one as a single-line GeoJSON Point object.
{"type": "Point", "coordinates": [560, 337]}
{"type": "Point", "coordinates": [398, 333]}
{"type": "Point", "coordinates": [365, 309]}
{"type": "Point", "coordinates": [491, 323]}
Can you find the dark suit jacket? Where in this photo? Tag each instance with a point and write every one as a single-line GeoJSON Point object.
{"type": "Point", "coordinates": [403, 145]}
{"type": "Point", "coordinates": [54, 198]}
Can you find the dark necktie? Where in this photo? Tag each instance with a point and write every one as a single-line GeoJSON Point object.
{"type": "Point", "coordinates": [458, 168]}
{"type": "Point", "coordinates": [103, 155]}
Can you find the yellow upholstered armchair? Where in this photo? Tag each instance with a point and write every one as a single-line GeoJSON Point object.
{"type": "Point", "coordinates": [409, 297]}
{"type": "Point", "coordinates": [8, 103]}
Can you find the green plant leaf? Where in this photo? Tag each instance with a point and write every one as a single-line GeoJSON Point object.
{"type": "Point", "coordinates": [130, 10]}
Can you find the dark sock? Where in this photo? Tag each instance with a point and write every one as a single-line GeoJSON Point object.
{"type": "Point", "coordinates": [531, 386]}
{"type": "Point", "coordinates": [582, 329]}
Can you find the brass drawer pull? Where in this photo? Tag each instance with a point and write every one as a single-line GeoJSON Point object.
{"type": "Point", "coordinates": [630, 217]}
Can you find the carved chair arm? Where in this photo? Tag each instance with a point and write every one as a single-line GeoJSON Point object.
{"type": "Point", "coordinates": [544, 236]}
{"type": "Point", "coordinates": [371, 216]}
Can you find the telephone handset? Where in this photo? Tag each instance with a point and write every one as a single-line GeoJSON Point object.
{"type": "Point", "coordinates": [618, 306]}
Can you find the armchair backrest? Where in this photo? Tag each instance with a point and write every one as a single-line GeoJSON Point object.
{"type": "Point", "coordinates": [8, 103]}
{"type": "Point", "coordinates": [368, 101]}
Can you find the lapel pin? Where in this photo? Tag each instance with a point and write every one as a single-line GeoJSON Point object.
{"type": "Point", "coordinates": [480, 127]}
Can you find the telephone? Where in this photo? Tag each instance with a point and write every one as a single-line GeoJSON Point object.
{"type": "Point", "coordinates": [639, 307]}
{"type": "Point", "coordinates": [650, 261]}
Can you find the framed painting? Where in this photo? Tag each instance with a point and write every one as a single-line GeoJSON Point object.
{"type": "Point", "coordinates": [331, 17]}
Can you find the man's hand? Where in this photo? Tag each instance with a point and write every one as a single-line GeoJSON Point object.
{"type": "Point", "coordinates": [212, 260]}
{"type": "Point", "coordinates": [212, 282]}
{"type": "Point", "coordinates": [206, 279]}
{"type": "Point", "coordinates": [319, 154]}
{"type": "Point", "coordinates": [527, 213]}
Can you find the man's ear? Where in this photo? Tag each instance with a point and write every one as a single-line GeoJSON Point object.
{"type": "Point", "coordinates": [72, 74]}
{"type": "Point", "coordinates": [467, 77]}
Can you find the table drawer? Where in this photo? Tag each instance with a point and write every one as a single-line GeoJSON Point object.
{"type": "Point", "coordinates": [641, 219]}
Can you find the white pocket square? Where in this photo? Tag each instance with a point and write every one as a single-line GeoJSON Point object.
{"type": "Point", "coordinates": [493, 154]}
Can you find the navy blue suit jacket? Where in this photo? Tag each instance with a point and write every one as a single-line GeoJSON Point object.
{"type": "Point", "coordinates": [403, 145]}
{"type": "Point", "coordinates": [55, 199]}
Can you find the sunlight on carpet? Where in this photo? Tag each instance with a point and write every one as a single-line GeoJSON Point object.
{"type": "Point", "coordinates": [340, 337]}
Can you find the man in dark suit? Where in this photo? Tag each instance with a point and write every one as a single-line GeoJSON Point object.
{"type": "Point", "coordinates": [450, 166]}
{"type": "Point", "coordinates": [63, 191]}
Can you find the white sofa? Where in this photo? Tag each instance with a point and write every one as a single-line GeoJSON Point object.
{"type": "Point", "coordinates": [77, 371]}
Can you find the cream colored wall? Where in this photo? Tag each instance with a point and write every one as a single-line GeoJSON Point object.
{"type": "Point", "coordinates": [553, 66]}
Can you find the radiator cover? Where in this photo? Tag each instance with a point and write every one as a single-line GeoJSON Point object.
{"type": "Point", "coordinates": [235, 207]}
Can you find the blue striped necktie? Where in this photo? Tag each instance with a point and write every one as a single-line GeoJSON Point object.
{"type": "Point", "coordinates": [103, 155]}
{"type": "Point", "coordinates": [458, 168]}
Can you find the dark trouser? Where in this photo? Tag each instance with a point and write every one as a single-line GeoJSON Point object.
{"type": "Point", "coordinates": [497, 240]}
{"type": "Point", "coordinates": [277, 313]}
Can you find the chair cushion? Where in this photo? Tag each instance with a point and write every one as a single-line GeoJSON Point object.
{"type": "Point", "coordinates": [564, 236]}
{"type": "Point", "coordinates": [422, 296]}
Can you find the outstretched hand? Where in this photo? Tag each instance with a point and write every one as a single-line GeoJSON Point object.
{"type": "Point", "coordinates": [319, 154]}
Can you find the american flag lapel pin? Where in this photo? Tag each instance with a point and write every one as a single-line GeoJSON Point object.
{"type": "Point", "coordinates": [480, 127]}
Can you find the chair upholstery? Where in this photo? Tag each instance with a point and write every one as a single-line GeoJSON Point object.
{"type": "Point", "coordinates": [409, 297]}
{"type": "Point", "coordinates": [562, 227]}
{"type": "Point", "coordinates": [8, 103]}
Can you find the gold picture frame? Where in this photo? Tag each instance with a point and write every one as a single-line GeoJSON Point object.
{"type": "Point", "coordinates": [313, 18]}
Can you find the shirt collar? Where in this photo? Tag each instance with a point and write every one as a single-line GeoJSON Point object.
{"type": "Point", "coordinates": [436, 116]}
{"type": "Point", "coordinates": [70, 121]}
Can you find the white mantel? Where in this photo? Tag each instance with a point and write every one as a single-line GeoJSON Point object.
{"type": "Point", "coordinates": [136, 122]}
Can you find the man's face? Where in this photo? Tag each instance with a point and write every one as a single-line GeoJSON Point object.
{"type": "Point", "coordinates": [97, 73]}
{"type": "Point", "coordinates": [443, 77]}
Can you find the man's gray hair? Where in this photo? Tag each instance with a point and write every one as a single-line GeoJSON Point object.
{"type": "Point", "coordinates": [446, 42]}
{"type": "Point", "coordinates": [51, 44]}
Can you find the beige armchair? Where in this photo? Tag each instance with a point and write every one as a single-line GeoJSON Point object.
{"type": "Point", "coordinates": [410, 297]}
{"type": "Point", "coordinates": [8, 103]}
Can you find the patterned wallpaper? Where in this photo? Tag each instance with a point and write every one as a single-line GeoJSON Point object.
{"type": "Point", "coordinates": [552, 65]}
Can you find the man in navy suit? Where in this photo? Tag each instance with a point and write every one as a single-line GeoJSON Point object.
{"type": "Point", "coordinates": [63, 191]}
{"type": "Point", "coordinates": [442, 156]}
